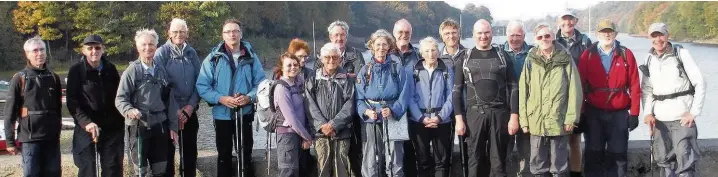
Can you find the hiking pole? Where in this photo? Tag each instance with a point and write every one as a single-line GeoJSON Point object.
{"type": "Point", "coordinates": [462, 151]}
{"type": "Point", "coordinates": [240, 137]}
{"type": "Point", "coordinates": [651, 149]}
{"type": "Point", "coordinates": [181, 147]}
{"type": "Point", "coordinates": [385, 125]}
{"type": "Point", "coordinates": [377, 138]}
{"type": "Point", "coordinates": [97, 154]}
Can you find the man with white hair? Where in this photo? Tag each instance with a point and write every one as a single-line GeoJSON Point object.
{"type": "Point", "coordinates": [146, 100]}
{"type": "Point", "coordinates": [491, 99]}
{"type": "Point", "coordinates": [517, 49]}
{"type": "Point", "coordinates": [408, 54]}
{"type": "Point", "coordinates": [331, 106]}
{"type": "Point", "coordinates": [182, 65]}
{"type": "Point", "coordinates": [34, 102]}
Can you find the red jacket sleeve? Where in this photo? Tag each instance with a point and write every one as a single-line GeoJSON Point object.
{"type": "Point", "coordinates": [582, 74]}
{"type": "Point", "coordinates": [634, 85]}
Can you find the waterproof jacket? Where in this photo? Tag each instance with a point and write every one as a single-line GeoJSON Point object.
{"type": "Point", "coordinates": [217, 76]}
{"type": "Point", "coordinates": [36, 106]}
{"type": "Point", "coordinates": [665, 79]}
{"type": "Point", "coordinates": [409, 58]}
{"type": "Point", "coordinates": [149, 93]}
{"type": "Point", "coordinates": [581, 43]}
{"type": "Point", "coordinates": [619, 89]}
{"type": "Point", "coordinates": [182, 66]}
{"type": "Point", "coordinates": [289, 101]}
{"type": "Point", "coordinates": [451, 60]}
{"type": "Point", "coordinates": [549, 93]}
{"type": "Point", "coordinates": [431, 92]}
{"type": "Point", "coordinates": [382, 84]}
{"type": "Point", "coordinates": [330, 100]}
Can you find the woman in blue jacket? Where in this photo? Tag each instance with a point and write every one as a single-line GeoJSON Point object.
{"type": "Point", "coordinates": [381, 94]}
{"type": "Point", "coordinates": [430, 107]}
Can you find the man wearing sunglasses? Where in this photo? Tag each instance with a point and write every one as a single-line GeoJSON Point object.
{"type": "Point", "coordinates": [611, 87]}
{"type": "Point", "coordinates": [91, 89]}
{"type": "Point", "coordinates": [576, 43]}
{"type": "Point", "coordinates": [182, 64]}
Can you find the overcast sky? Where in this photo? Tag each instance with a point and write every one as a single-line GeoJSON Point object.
{"type": "Point", "coordinates": [524, 9]}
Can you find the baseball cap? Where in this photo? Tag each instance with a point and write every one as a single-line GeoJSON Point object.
{"type": "Point", "coordinates": [658, 27]}
{"type": "Point", "coordinates": [93, 38]}
{"type": "Point", "coordinates": [567, 12]}
{"type": "Point", "coordinates": [606, 24]}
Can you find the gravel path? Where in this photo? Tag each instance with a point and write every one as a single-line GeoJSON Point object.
{"type": "Point", "coordinates": [206, 135]}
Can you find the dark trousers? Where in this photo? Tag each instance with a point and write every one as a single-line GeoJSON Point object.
{"type": "Point", "coordinates": [434, 158]}
{"type": "Point", "coordinates": [307, 163]}
{"type": "Point", "coordinates": [41, 158]}
{"type": "Point", "coordinates": [189, 147]}
{"type": "Point", "coordinates": [606, 136]}
{"type": "Point", "coordinates": [225, 138]}
{"type": "Point", "coordinates": [487, 140]}
{"type": "Point", "coordinates": [355, 147]}
{"type": "Point", "coordinates": [154, 146]}
{"type": "Point", "coordinates": [111, 150]}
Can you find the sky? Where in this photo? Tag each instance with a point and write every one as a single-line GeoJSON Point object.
{"type": "Point", "coordinates": [524, 9]}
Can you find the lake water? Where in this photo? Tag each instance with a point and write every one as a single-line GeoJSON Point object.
{"type": "Point", "coordinates": [704, 55]}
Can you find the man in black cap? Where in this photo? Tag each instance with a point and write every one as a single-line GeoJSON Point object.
{"type": "Point", "coordinates": [91, 89]}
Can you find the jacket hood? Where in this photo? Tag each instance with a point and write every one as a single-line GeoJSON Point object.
{"type": "Point", "coordinates": [559, 57]}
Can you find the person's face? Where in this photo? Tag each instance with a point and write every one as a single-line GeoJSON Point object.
{"type": "Point", "coordinates": [380, 48]}
{"type": "Point", "coordinates": [338, 36]}
{"type": "Point", "coordinates": [450, 36]}
{"type": "Point", "coordinates": [290, 68]}
{"type": "Point", "coordinates": [231, 34]}
{"type": "Point", "coordinates": [482, 36]}
{"type": "Point", "coordinates": [302, 55]}
{"type": "Point", "coordinates": [659, 41]}
{"type": "Point", "coordinates": [36, 54]}
{"type": "Point", "coordinates": [516, 37]}
{"type": "Point", "coordinates": [430, 53]}
{"type": "Point", "coordinates": [606, 37]}
{"type": "Point", "coordinates": [178, 34]}
{"type": "Point", "coordinates": [146, 46]}
{"type": "Point", "coordinates": [402, 32]}
{"type": "Point", "coordinates": [331, 61]}
{"type": "Point", "coordinates": [93, 52]}
{"type": "Point", "coordinates": [544, 38]}
{"type": "Point", "coordinates": [568, 23]}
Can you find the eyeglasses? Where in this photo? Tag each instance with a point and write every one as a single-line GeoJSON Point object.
{"type": "Point", "coordinates": [339, 35]}
{"type": "Point", "coordinates": [541, 37]}
{"type": "Point", "coordinates": [95, 47]}
{"type": "Point", "coordinates": [331, 57]}
{"type": "Point", "coordinates": [231, 31]}
{"type": "Point", "coordinates": [516, 35]}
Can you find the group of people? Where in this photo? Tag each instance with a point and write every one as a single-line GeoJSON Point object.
{"type": "Point", "coordinates": [535, 101]}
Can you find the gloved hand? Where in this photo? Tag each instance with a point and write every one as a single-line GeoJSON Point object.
{"type": "Point", "coordinates": [632, 123]}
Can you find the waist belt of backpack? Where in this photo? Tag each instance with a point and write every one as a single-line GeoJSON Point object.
{"type": "Point", "coordinates": [40, 112]}
{"type": "Point", "coordinates": [611, 90]}
{"type": "Point", "coordinates": [673, 95]}
{"type": "Point", "coordinates": [430, 110]}
{"type": "Point", "coordinates": [381, 102]}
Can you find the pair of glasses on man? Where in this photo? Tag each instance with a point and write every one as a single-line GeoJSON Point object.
{"type": "Point", "coordinates": [545, 36]}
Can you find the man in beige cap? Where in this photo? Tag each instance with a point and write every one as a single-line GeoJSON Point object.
{"type": "Point", "coordinates": [672, 102]}
{"type": "Point", "coordinates": [612, 94]}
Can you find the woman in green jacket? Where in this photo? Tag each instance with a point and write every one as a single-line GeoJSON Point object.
{"type": "Point", "coordinates": [550, 100]}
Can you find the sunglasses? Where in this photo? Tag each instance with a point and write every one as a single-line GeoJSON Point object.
{"type": "Point", "coordinates": [541, 37]}
{"type": "Point", "coordinates": [292, 65]}
{"type": "Point", "coordinates": [95, 47]}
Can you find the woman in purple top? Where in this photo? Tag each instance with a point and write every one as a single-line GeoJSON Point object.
{"type": "Point", "coordinates": [293, 133]}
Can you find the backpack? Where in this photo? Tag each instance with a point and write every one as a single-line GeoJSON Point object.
{"type": "Point", "coordinates": [681, 73]}
{"type": "Point", "coordinates": [502, 57]}
{"type": "Point", "coordinates": [23, 81]}
{"type": "Point", "coordinates": [268, 114]}
{"type": "Point", "coordinates": [394, 69]}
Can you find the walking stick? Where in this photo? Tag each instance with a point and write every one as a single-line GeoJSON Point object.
{"type": "Point", "coordinates": [651, 149]}
{"type": "Point", "coordinates": [240, 143]}
{"type": "Point", "coordinates": [385, 125]}
{"type": "Point", "coordinates": [97, 155]}
{"type": "Point", "coordinates": [464, 158]}
{"type": "Point", "coordinates": [377, 138]}
{"type": "Point", "coordinates": [181, 147]}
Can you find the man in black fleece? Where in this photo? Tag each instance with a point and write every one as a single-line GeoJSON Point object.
{"type": "Point", "coordinates": [35, 102]}
{"type": "Point", "coordinates": [91, 89]}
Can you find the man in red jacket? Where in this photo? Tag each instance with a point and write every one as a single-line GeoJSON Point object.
{"type": "Point", "coordinates": [609, 75]}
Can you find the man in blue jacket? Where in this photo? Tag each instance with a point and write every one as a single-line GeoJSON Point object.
{"type": "Point", "coordinates": [228, 79]}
